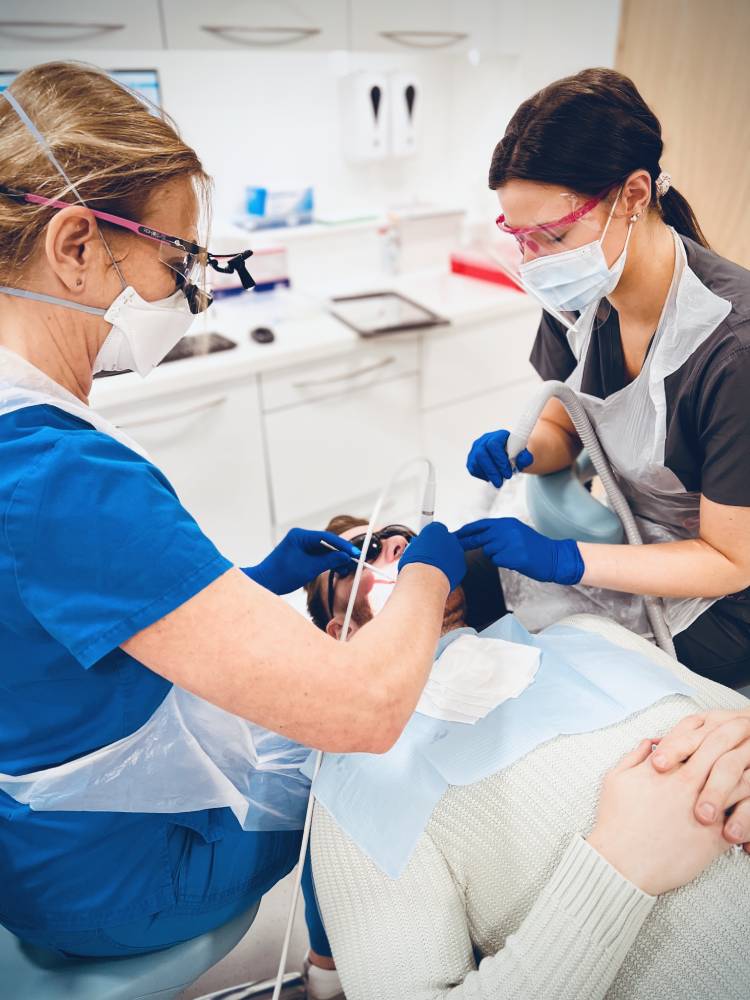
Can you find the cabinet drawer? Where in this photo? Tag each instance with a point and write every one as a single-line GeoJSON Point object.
{"type": "Point", "coordinates": [260, 25]}
{"type": "Point", "coordinates": [65, 25]}
{"type": "Point", "coordinates": [339, 448]}
{"type": "Point", "coordinates": [472, 360]}
{"type": "Point", "coordinates": [366, 365]}
{"type": "Point", "coordinates": [418, 25]}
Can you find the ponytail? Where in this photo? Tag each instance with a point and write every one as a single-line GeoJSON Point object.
{"type": "Point", "coordinates": [676, 212]}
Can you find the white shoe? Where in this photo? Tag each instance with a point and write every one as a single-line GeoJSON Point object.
{"type": "Point", "coordinates": [321, 984]}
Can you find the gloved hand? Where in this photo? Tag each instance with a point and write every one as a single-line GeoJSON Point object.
{"type": "Point", "coordinates": [436, 546]}
{"type": "Point", "coordinates": [299, 558]}
{"type": "Point", "coordinates": [514, 545]}
{"type": "Point", "coordinates": [488, 458]}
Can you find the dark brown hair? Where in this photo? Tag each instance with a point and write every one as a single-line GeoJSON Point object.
{"type": "Point", "coordinates": [316, 603]}
{"type": "Point", "coordinates": [587, 132]}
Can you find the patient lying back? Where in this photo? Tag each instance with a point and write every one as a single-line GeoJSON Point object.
{"type": "Point", "coordinates": [504, 898]}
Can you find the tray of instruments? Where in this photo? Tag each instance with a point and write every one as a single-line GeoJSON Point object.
{"type": "Point", "coordinates": [377, 313]}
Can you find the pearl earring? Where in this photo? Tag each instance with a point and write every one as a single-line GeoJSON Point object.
{"type": "Point", "coordinates": [636, 217]}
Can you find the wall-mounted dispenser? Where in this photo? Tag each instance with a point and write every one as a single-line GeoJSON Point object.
{"type": "Point", "coordinates": [365, 104]}
{"type": "Point", "coordinates": [406, 101]}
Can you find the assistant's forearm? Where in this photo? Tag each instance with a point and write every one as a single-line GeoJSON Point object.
{"type": "Point", "coordinates": [689, 568]}
{"type": "Point", "coordinates": [553, 448]}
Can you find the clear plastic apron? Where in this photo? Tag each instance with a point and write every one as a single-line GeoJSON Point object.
{"type": "Point", "coordinates": [632, 427]}
{"type": "Point", "coordinates": [190, 755]}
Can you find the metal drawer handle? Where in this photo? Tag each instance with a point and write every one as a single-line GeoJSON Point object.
{"type": "Point", "coordinates": [83, 30]}
{"type": "Point", "coordinates": [347, 376]}
{"type": "Point", "coordinates": [176, 414]}
{"type": "Point", "coordinates": [227, 32]}
{"type": "Point", "coordinates": [429, 39]}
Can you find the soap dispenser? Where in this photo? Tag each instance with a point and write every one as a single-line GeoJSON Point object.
{"type": "Point", "coordinates": [365, 118]}
{"type": "Point", "coordinates": [406, 102]}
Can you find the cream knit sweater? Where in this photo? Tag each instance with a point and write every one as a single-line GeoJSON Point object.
{"type": "Point", "coordinates": [502, 871]}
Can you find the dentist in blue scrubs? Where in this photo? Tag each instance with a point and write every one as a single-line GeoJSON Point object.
{"type": "Point", "coordinates": [110, 593]}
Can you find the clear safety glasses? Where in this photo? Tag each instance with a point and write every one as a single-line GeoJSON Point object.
{"type": "Point", "coordinates": [373, 552]}
{"type": "Point", "coordinates": [572, 233]}
{"type": "Point", "coordinates": [561, 234]}
{"type": "Point", "coordinates": [188, 260]}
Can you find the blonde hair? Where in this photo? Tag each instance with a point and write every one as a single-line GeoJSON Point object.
{"type": "Point", "coordinates": [112, 147]}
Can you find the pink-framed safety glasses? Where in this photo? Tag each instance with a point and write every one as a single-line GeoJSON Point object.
{"type": "Point", "coordinates": [548, 237]}
{"type": "Point", "coordinates": [187, 259]}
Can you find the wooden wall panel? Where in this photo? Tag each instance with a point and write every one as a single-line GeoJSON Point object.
{"type": "Point", "coordinates": [690, 59]}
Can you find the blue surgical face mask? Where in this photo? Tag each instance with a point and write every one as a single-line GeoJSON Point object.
{"type": "Point", "coordinates": [572, 280]}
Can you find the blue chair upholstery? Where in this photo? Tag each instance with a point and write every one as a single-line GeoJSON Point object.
{"type": "Point", "coordinates": [560, 506]}
{"type": "Point", "coordinates": [30, 973]}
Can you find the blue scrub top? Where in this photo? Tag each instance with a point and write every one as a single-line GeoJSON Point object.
{"type": "Point", "coordinates": [94, 547]}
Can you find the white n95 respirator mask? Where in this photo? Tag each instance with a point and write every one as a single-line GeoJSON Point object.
{"type": "Point", "coordinates": [142, 333]}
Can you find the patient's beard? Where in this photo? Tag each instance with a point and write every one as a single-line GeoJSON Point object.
{"type": "Point", "coordinates": [454, 615]}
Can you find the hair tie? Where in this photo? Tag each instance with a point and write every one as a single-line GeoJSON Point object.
{"type": "Point", "coordinates": [663, 183]}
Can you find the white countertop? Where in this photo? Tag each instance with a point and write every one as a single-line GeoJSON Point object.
{"type": "Point", "coordinates": [305, 331]}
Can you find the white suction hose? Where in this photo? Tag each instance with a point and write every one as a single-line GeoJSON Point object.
{"type": "Point", "coordinates": [428, 514]}
{"type": "Point", "coordinates": [518, 440]}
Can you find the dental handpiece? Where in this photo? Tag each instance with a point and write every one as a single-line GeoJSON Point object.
{"type": "Point", "coordinates": [373, 569]}
{"type": "Point", "coordinates": [428, 500]}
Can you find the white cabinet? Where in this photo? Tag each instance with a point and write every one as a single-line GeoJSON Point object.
{"type": "Point", "coordinates": [256, 24]}
{"type": "Point", "coordinates": [475, 378]}
{"type": "Point", "coordinates": [82, 24]}
{"type": "Point", "coordinates": [337, 430]}
{"type": "Point", "coordinates": [450, 431]}
{"type": "Point", "coordinates": [436, 25]}
{"type": "Point", "coordinates": [250, 456]}
{"type": "Point", "coordinates": [368, 363]}
{"type": "Point", "coordinates": [490, 26]}
{"type": "Point", "coordinates": [466, 361]}
{"type": "Point", "coordinates": [208, 443]}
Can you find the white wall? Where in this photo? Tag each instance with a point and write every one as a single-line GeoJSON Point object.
{"type": "Point", "coordinates": [559, 37]}
{"type": "Point", "coordinates": [272, 117]}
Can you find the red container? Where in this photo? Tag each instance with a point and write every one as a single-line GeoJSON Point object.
{"type": "Point", "coordinates": [483, 268]}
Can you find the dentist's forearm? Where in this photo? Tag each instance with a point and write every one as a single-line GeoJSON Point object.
{"type": "Point", "coordinates": [690, 568]}
{"type": "Point", "coordinates": [245, 650]}
{"type": "Point", "coordinates": [398, 669]}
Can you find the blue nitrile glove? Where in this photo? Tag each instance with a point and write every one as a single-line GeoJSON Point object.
{"type": "Point", "coordinates": [511, 544]}
{"type": "Point", "coordinates": [436, 546]}
{"type": "Point", "coordinates": [488, 458]}
{"type": "Point", "coordinates": [299, 558]}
